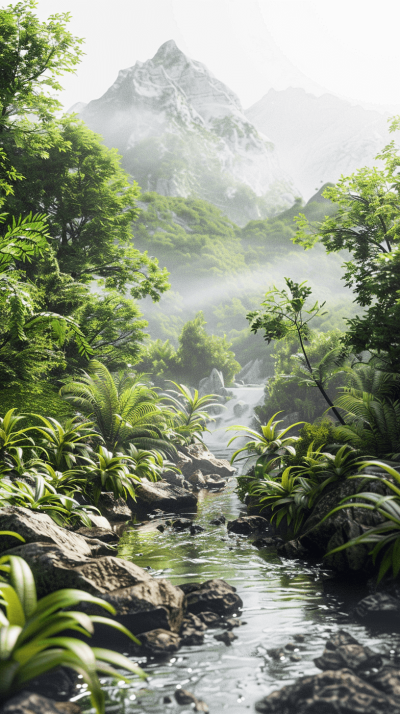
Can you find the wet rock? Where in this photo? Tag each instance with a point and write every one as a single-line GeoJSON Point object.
{"type": "Point", "coordinates": [160, 642]}
{"type": "Point", "coordinates": [183, 697]}
{"type": "Point", "coordinates": [299, 637]}
{"type": "Point", "coordinates": [290, 646]}
{"type": "Point", "coordinates": [181, 524]}
{"type": "Point", "coordinates": [267, 542]}
{"type": "Point", "coordinates": [189, 587]}
{"type": "Point", "coordinates": [226, 637]}
{"type": "Point", "coordinates": [295, 658]}
{"type": "Point", "coordinates": [247, 525]}
{"type": "Point", "coordinates": [167, 700]}
{"type": "Point", "coordinates": [231, 622]}
{"type": "Point", "coordinates": [219, 521]}
{"type": "Point", "coordinates": [210, 619]}
{"type": "Point", "coordinates": [160, 528]}
{"type": "Point", "coordinates": [292, 549]}
{"type": "Point", "coordinates": [114, 509]}
{"type": "Point", "coordinates": [164, 496]}
{"type": "Point", "coordinates": [342, 651]}
{"type": "Point", "coordinates": [100, 522]}
{"type": "Point", "coordinates": [276, 653]}
{"type": "Point", "coordinates": [141, 602]}
{"type": "Point", "coordinates": [194, 529]}
{"type": "Point", "coordinates": [379, 609]}
{"type": "Point", "coordinates": [59, 684]}
{"type": "Point", "coordinates": [387, 680]}
{"type": "Point", "coordinates": [215, 595]}
{"type": "Point", "coordinates": [215, 482]}
{"type": "Point", "coordinates": [206, 462]}
{"type": "Point", "coordinates": [38, 527]}
{"type": "Point", "coordinates": [106, 535]}
{"type": "Point", "coordinates": [332, 692]}
{"type": "Point", "coordinates": [342, 526]}
{"type": "Point", "coordinates": [98, 548]}
{"type": "Point", "coordinates": [192, 630]}
{"type": "Point", "coordinates": [174, 478]}
{"type": "Point", "coordinates": [197, 479]}
{"type": "Point", "coordinates": [30, 703]}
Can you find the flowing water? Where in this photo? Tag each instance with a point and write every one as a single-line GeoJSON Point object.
{"type": "Point", "coordinates": [281, 598]}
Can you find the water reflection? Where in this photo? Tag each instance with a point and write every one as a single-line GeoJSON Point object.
{"type": "Point", "coordinates": [282, 600]}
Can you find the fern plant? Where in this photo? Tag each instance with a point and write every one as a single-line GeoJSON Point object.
{"type": "Point", "coordinates": [124, 410]}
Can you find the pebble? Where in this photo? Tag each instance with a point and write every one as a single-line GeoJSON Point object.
{"type": "Point", "coordinates": [226, 637]}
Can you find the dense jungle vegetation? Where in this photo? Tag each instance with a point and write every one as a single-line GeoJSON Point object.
{"type": "Point", "coordinates": [82, 411]}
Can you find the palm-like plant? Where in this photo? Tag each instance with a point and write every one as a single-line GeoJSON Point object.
{"type": "Point", "coordinates": [189, 412]}
{"type": "Point", "coordinates": [12, 438]}
{"type": "Point", "coordinates": [31, 640]}
{"type": "Point", "coordinates": [288, 496]}
{"type": "Point", "coordinates": [269, 441]}
{"type": "Point", "coordinates": [65, 446]}
{"type": "Point", "coordinates": [111, 472]}
{"type": "Point", "coordinates": [124, 410]}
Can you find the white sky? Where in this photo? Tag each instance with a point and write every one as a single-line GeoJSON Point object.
{"type": "Point", "coordinates": [348, 47]}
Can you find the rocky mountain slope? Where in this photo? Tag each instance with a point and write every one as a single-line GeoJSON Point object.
{"type": "Point", "coordinates": [182, 132]}
{"type": "Point", "coordinates": [319, 138]}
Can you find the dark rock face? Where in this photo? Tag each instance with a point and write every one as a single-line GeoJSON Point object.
{"type": "Point", "coordinates": [116, 510]}
{"type": "Point", "coordinates": [35, 527]}
{"type": "Point", "coordinates": [58, 684]}
{"type": "Point", "coordinates": [342, 526]}
{"type": "Point", "coordinates": [387, 680]}
{"type": "Point", "coordinates": [247, 525]}
{"type": "Point", "coordinates": [181, 524]}
{"type": "Point", "coordinates": [160, 642]}
{"type": "Point", "coordinates": [332, 692]}
{"type": "Point", "coordinates": [292, 549]}
{"type": "Point", "coordinates": [267, 542]}
{"type": "Point", "coordinates": [192, 630]}
{"type": "Point", "coordinates": [343, 651]}
{"type": "Point", "coordinates": [164, 496]}
{"type": "Point", "coordinates": [219, 521]}
{"type": "Point", "coordinates": [210, 619]}
{"type": "Point", "coordinates": [30, 703]}
{"type": "Point", "coordinates": [215, 596]}
{"type": "Point", "coordinates": [379, 609]}
{"type": "Point", "coordinates": [142, 603]}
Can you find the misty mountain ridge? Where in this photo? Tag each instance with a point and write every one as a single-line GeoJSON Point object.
{"type": "Point", "coordinates": [182, 132]}
{"type": "Point", "coordinates": [317, 139]}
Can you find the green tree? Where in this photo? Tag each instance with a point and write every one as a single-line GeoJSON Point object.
{"type": "Point", "coordinates": [367, 224]}
{"type": "Point", "coordinates": [199, 352]}
{"type": "Point", "coordinates": [285, 313]}
{"type": "Point", "coordinates": [90, 202]}
{"type": "Point", "coordinates": [33, 55]}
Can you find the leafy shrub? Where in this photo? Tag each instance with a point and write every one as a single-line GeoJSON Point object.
{"type": "Point", "coordinates": [321, 433]}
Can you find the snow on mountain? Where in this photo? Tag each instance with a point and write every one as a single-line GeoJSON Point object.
{"type": "Point", "coordinates": [182, 132]}
{"type": "Point", "coordinates": [319, 138]}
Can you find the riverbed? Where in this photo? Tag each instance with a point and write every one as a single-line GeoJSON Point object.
{"type": "Point", "coordinates": [284, 601]}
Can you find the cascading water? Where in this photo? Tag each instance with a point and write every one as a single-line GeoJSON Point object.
{"type": "Point", "coordinates": [238, 410]}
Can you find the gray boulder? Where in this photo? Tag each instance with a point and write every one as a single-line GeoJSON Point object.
{"type": "Point", "coordinates": [106, 535]}
{"type": "Point", "coordinates": [332, 692]}
{"type": "Point", "coordinates": [343, 651]}
{"type": "Point", "coordinates": [163, 496]}
{"type": "Point", "coordinates": [212, 384]}
{"type": "Point", "coordinates": [160, 642]}
{"type": "Point", "coordinates": [203, 460]}
{"type": "Point", "coordinates": [142, 602]}
{"type": "Point", "coordinates": [38, 527]}
{"type": "Point", "coordinates": [246, 525]}
{"type": "Point", "coordinates": [379, 608]}
{"type": "Point", "coordinates": [115, 510]}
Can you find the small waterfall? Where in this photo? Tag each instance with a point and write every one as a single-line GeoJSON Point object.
{"type": "Point", "coordinates": [238, 410]}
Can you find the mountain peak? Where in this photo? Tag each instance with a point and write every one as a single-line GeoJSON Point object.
{"type": "Point", "coordinates": [167, 52]}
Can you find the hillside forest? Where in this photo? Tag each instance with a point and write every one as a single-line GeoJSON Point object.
{"type": "Point", "coordinates": [116, 302]}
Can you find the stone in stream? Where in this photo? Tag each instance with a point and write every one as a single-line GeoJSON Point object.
{"type": "Point", "coordinates": [30, 703]}
{"type": "Point", "coordinates": [247, 525]}
{"type": "Point", "coordinates": [267, 542]}
{"type": "Point", "coordinates": [197, 479]}
{"type": "Point", "coordinates": [387, 680]}
{"type": "Point", "coordinates": [181, 524]}
{"type": "Point", "coordinates": [332, 692]}
{"type": "Point", "coordinates": [231, 622]}
{"type": "Point", "coordinates": [114, 509]}
{"type": "Point", "coordinates": [194, 529]}
{"type": "Point", "coordinates": [160, 642]}
{"type": "Point", "coordinates": [215, 595]}
{"type": "Point", "coordinates": [203, 460]}
{"type": "Point", "coordinates": [226, 637]}
{"type": "Point", "coordinates": [211, 619]}
{"type": "Point", "coordinates": [219, 521]}
{"type": "Point", "coordinates": [162, 495]}
{"type": "Point", "coordinates": [342, 651]}
{"type": "Point", "coordinates": [182, 696]}
{"type": "Point", "coordinates": [142, 603]}
{"type": "Point", "coordinates": [379, 609]}
{"type": "Point", "coordinates": [292, 549]}
{"type": "Point", "coordinates": [192, 630]}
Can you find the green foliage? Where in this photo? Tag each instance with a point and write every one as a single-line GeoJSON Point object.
{"type": "Point", "coordinates": [267, 441]}
{"type": "Point", "coordinates": [111, 472]}
{"type": "Point", "coordinates": [199, 352]}
{"type": "Point", "coordinates": [189, 412]}
{"type": "Point", "coordinates": [286, 496]}
{"type": "Point", "coordinates": [123, 408]}
{"type": "Point", "coordinates": [366, 224]}
{"type": "Point", "coordinates": [321, 433]}
{"type": "Point", "coordinates": [31, 639]}
{"type": "Point", "coordinates": [39, 397]}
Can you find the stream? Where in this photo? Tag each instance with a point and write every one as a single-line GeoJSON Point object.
{"type": "Point", "coordinates": [282, 599]}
